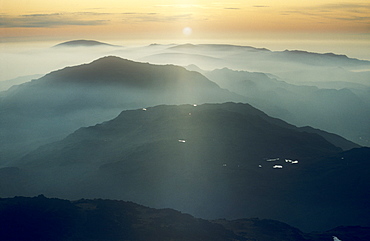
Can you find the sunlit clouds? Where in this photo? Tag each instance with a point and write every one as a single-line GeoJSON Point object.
{"type": "Point", "coordinates": [53, 20]}
{"type": "Point", "coordinates": [151, 18]}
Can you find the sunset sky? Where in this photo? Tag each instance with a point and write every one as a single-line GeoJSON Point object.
{"type": "Point", "coordinates": [167, 18]}
{"type": "Point", "coordinates": [321, 26]}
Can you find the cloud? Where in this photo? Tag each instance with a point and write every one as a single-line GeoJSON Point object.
{"type": "Point", "coordinates": [134, 13]}
{"type": "Point", "coordinates": [260, 6]}
{"type": "Point", "coordinates": [154, 17]}
{"type": "Point", "coordinates": [52, 20]}
{"type": "Point", "coordinates": [181, 6]}
{"type": "Point", "coordinates": [347, 6]}
{"type": "Point", "coordinates": [340, 11]}
{"type": "Point", "coordinates": [86, 19]}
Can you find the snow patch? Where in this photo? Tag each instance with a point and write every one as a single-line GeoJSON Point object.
{"type": "Point", "coordinates": [273, 159]}
{"type": "Point", "coordinates": [277, 166]}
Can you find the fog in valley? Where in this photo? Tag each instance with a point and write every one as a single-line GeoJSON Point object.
{"type": "Point", "coordinates": [296, 86]}
{"type": "Point", "coordinates": [214, 130]}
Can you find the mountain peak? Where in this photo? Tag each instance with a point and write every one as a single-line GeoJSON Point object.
{"type": "Point", "coordinates": [83, 43]}
{"type": "Point", "coordinates": [116, 70]}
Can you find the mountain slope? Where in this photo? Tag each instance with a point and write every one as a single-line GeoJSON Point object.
{"type": "Point", "coordinates": [53, 106]}
{"type": "Point", "coordinates": [6, 84]}
{"type": "Point", "coordinates": [341, 111]}
{"type": "Point", "coordinates": [41, 218]}
{"type": "Point", "coordinates": [214, 160]}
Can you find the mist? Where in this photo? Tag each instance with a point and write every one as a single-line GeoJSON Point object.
{"type": "Point", "coordinates": [49, 108]}
{"type": "Point", "coordinates": [136, 123]}
{"type": "Point", "coordinates": [277, 82]}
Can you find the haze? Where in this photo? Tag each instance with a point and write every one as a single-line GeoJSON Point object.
{"type": "Point", "coordinates": [220, 109]}
{"type": "Point", "coordinates": [317, 26]}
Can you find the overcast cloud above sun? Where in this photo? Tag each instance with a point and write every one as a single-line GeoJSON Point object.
{"type": "Point", "coordinates": [45, 18]}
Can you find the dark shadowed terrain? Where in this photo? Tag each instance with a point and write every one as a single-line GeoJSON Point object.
{"type": "Point", "coordinates": [40, 218]}
{"type": "Point", "coordinates": [212, 161]}
{"type": "Point", "coordinates": [189, 139]}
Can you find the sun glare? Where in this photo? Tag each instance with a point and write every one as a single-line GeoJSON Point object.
{"type": "Point", "coordinates": [187, 31]}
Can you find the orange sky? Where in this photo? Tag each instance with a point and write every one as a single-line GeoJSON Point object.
{"type": "Point", "coordinates": [167, 18]}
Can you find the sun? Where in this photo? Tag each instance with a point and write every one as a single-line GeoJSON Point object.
{"type": "Point", "coordinates": [187, 31]}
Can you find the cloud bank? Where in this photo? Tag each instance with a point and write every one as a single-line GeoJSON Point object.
{"type": "Point", "coordinates": [52, 20]}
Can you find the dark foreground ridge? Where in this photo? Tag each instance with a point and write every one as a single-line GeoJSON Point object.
{"type": "Point", "coordinates": [41, 218]}
{"type": "Point", "coordinates": [212, 161]}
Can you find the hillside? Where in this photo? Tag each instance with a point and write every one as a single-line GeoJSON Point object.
{"type": "Point", "coordinates": [342, 111]}
{"type": "Point", "coordinates": [41, 218]}
{"type": "Point", "coordinates": [214, 160]}
{"type": "Point", "coordinates": [49, 108]}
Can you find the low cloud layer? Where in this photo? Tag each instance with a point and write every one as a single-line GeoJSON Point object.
{"type": "Point", "coordinates": [340, 11]}
{"type": "Point", "coordinates": [155, 17]}
{"type": "Point", "coordinates": [52, 20]}
{"type": "Point", "coordinates": [86, 19]}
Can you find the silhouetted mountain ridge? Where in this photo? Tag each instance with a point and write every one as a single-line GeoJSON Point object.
{"type": "Point", "coordinates": [41, 218]}
{"type": "Point", "coordinates": [199, 159]}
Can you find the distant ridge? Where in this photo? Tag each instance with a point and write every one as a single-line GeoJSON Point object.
{"type": "Point", "coordinates": [313, 53]}
{"type": "Point", "coordinates": [299, 56]}
{"type": "Point", "coordinates": [313, 58]}
{"type": "Point", "coordinates": [84, 43]}
{"type": "Point", "coordinates": [222, 47]}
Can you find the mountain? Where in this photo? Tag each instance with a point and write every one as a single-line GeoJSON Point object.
{"type": "Point", "coordinates": [212, 161]}
{"type": "Point", "coordinates": [293, 66]}
{"type": "Point", "coordinates": [83, 43]}
{"type": "Point", "coordinates": [319, 59]}
{"type": "Point", "coordinates": [49, 108]}
{"type": "Point", "coordinates": [232, 57]}
{"type": "Point", "coordinates": [6, 84]}
{"type": "Point", "coordinates": [344, 111]}
{"type": "Point", "coordinates": [41, 218]}
{"type": "Point", "coordinates": [287, 55]}
{"type": "Point", "coordinates": [220, 47]}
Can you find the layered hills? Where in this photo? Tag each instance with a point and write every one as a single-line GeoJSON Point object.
{"type": "Point", "coordinates": [212, 161]}
{"type": "Point", "coordinates": [41, 218]}
{"type": "Point", "coordinates": [51, 107]}
{"type": "Point", "coordinates": [257, 59]}
{"type": "Point", "coordinates": [168, 149]}
{"type": "Point", "coordinates": [342, 111]}
{"type": "Point", "coordinates": [55, 105]}
{"type": "Point", "coordinates": [288, 89]}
